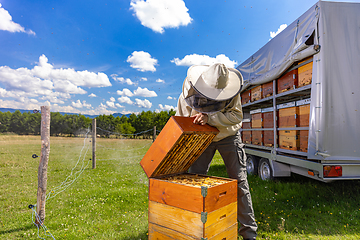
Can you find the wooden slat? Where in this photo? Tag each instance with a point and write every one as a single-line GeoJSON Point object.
{"type": "Point", "coordinates": [157, 232]}
{"type": "Point", "coordinates": [229, 234]}
{"type": "Point", "coordinates": [160, 233]}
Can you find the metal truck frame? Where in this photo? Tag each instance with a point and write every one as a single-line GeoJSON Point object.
{"type": "Point", "coordinates": [330, 33]}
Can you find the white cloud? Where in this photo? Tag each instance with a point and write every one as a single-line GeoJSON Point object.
{"type": "Point", "coordinates": [123, 80]}
{"type": "Point", "coordinates": [282, 27]}
{"type": "Point", "coordinates": [7, 24]}
{"type": "Point", "coordinates": [143, 79]}
{"type": "Point", "coordinates": [92, 95]}
{"type": "Point", "coordinates": [160, 14]}
{"type": "Point", "coordinates": [166, 107]}
{"type": "Point", "coordinates": [160, 80]}
{"type": "Point", "coordinates": [144, 92]}
{"type": "Point", "coordinates": [125, 100]}
{"type": "Point", "coordinates": [125, 92]}
{"type": "Point", "coordinates": [46, 81]}
{"type": "Point", "coordinates": [143, 103]}
{"type": "Point", "coordinates": [79, 104]}
{"type": "Point", "coordinates": [195, 59]}
{"type": "Point", "coordinates": [142, 61]}
{"type": "Point", "coordinates": [110, 104]}
{"type": "Point", "coordinates": [118, 105]}
{"type": "Point", "coordinates": [112, 99]}
{"type": "Point", "coordinates": [170, 98]}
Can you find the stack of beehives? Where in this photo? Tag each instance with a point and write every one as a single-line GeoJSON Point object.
{"type": "Point", "coordinates": [183, 205]}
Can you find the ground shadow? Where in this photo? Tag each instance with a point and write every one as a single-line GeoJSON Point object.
{"type": "Point", "coordinates": [24, 228]}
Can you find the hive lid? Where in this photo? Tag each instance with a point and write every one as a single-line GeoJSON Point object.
{"type": "Point", "coordinates": [177, 147]}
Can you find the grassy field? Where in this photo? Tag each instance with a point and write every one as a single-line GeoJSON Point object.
{"type": "Point", "coordinates": [110, 202]}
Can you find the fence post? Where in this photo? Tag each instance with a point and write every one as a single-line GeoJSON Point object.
{"type": "Point", "coordinates": [154, 136]}
{"type": "Point", "coordinates": [94, 143]}
{"type": "Point", "coordinates": [44, 159]}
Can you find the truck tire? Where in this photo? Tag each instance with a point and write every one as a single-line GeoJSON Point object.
{"type": "Point", "coordinates": [265, 172]}
{"type": "Point", "coordinates": [252, 164]}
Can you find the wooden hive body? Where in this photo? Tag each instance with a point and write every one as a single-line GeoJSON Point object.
{"type": "Point", "coordinates": [179, 209]}
{"type": "Point", "coordinates": [289, 139]}
{"type": "Point", "coordinates": [257, 137]}
{"type": "Point", "coordinates": [267, 89]}
{"type": "Point", "coordinates": [256, 118]}
{"type": "Point", "coordinates": [268, 117]}
{"type": "Point", "coordinates": [304, 115]}
{"type": "Point", "coordinates": [268, 138]}
{"type": "Point", "coordinates": [288, 81]}
{"type": "Point", "coordinates": [246, 137]}
{"type": "Point", "coordinates": [245, 97]}
{"type": "Point", "coordinates": [256, 93]}
{"type": "Point", "coordinates": [303, 138]}
{"type": "Point", "coordinates": [288, 117]}
{"type": "Point", "coordinates": [305, 73]}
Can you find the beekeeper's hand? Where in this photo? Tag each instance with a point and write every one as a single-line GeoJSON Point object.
{"type": "Point", "coordinates": [201, 118]}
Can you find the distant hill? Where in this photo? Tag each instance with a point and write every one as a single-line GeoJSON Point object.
{"type": "Point", "coordinates": [62, 113]}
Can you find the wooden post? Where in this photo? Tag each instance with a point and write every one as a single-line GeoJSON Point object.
{"type": "Point", "coordinates": [154, 136]}
{"type": "Point", "coordinates": [94, 143]}
{"type": "Point", "coordinates": [44, 159]}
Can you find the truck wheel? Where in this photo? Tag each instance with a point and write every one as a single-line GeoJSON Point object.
{"type": "Point", "coordinates": [252, 165]}
{"type": "Point", "coordinates": [265, 171]}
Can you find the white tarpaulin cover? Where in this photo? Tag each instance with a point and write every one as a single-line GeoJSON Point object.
{"type": "Point", "coordinates": [334, 131]}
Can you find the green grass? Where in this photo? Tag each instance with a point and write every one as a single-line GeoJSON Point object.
{"type": "Point", "coordinates": [111, 201]}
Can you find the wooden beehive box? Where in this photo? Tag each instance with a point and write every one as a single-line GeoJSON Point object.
{"type": "Point", "coordinates": [257, 137]}
{"type": "Point", "coordinates": [303, 138]}
{"type": "Point", "coordinates": [304, 112]}
{"type": "Point", "coordinates": [288, 115]}
{"type": "Point", "coordinates": [268, 138]}
{"type": "Point", "coordinates": [289, 139]}
{"type": "Point", "coordinates": [256, 118]}
{"type": "Point", "coordinates": [268, 117]}
{"type": "Point", "coordinates": [246, 137]}
{"type": "Point", "coordinates": [256, 93]}
{"type": "Point", "coordinates": [305, 73]}
{"type": "Point", "coordinates": [183, 205]}
{"type": "Point", "coordinates": [245, 97]}
{"type": "Point", "coordinates": [287, 81]}
{"type": "Point", "coordinates": [267, 89]}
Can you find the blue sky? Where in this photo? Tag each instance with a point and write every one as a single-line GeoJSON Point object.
{"type": "Point", "coordinates": [122, 56]}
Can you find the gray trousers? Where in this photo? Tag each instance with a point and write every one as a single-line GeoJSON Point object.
{"type": "Point", "coordinates": [233, 154]}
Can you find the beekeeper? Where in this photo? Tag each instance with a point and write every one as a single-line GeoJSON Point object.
{"type": "Point", "coordinates": [211, 94]}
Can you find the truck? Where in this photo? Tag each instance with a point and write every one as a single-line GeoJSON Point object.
{"type": "Point", "coordinates": [301, 98]}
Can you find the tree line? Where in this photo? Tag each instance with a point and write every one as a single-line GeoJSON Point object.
{"type": "Point", "coordinates": [28, 123]}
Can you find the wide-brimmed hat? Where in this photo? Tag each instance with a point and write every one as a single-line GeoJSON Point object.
{"type": "Point", "coordinates": [215, 82]}
{"type": "Point", "coordinates": [210, 89]}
